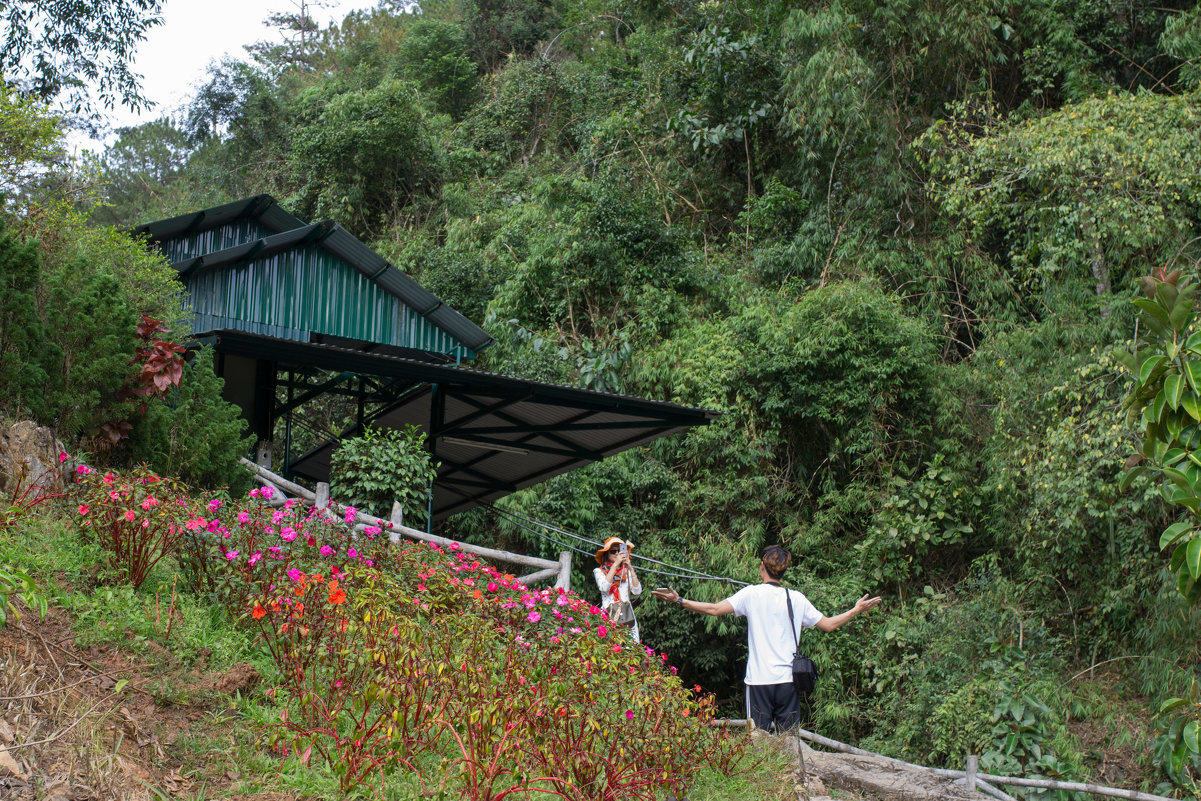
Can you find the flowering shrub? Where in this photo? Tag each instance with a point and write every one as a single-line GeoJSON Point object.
{"type": "Point", "coordinates": [533, 688]}
{"type": "Point", "coordinates": [391, 652]}
{"type": "Point", "coordinates": [137, 518]}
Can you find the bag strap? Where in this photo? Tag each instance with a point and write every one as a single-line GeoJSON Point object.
{"type": "Point", "coordinates": [792, 620]}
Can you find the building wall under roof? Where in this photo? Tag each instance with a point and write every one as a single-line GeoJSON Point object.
{"type": "Point", "coordinates": [226, 236]}
{"type": "Point", "coordinates": [309, 290]}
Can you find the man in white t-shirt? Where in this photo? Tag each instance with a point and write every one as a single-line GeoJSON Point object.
{"type": "Point", "coordinates": [772, 639]}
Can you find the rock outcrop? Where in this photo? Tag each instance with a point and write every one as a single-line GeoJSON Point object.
{"type": "Point", "coordinates": [29, 452]}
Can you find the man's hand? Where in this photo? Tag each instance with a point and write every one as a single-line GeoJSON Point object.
{"type": "Point", "coordinates": [668, 594]}
{"type": "Point", "coordinates": [865, 604]}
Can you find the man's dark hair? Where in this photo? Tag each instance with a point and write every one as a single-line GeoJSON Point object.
{"type": "Point", "coordinates": [776, 560]}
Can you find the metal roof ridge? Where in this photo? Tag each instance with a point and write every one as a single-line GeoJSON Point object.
{"type": "Point", "coordinates": [255, 207]}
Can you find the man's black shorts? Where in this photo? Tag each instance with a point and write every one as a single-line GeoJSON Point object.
{"type": "Point", "coordinates": [773, 703]}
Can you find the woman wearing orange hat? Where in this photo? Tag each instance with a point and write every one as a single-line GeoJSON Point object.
{"type": "Point", "coordinates": [617, 582]}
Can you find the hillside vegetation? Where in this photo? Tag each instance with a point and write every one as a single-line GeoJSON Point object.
{"type": "Point", "coordinates": [895, 242]}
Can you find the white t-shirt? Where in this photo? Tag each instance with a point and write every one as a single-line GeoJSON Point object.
{"type": "Point", "coordinates": [771, 640]}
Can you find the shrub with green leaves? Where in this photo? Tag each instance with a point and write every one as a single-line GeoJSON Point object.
{"type": "Point", "coordinates": [382, 466]}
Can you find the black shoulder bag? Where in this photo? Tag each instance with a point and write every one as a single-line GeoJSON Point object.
{"type": "Point", "coordinates": [804, 672]}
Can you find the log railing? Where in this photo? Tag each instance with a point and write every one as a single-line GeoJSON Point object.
{"type": "Point", "coordinates": [545, 569]}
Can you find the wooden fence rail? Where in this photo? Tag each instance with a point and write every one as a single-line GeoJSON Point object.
{"type": "Point", "coordinates": [559, 570]}
{"type": "Point", "coordinates": [975, 781]}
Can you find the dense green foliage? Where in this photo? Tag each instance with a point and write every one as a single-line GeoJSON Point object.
{"type": "Point", "coordinates": [894, 241]}
{"type": "Point", "coordinates": [372, 471]}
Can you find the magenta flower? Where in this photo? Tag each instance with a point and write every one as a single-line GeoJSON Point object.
{"type": "Point", "coordinates": [351, 512]}
{"type": "Point", "coordinates": [109, 478]}
{"type": "Point", "coordinates": [62, 457]}
{"type": "Point", "coordinates": [352, 553]}
{"type": "Point", "coordinates": [294, 574]}
{"type": "Point", "coordinates": [83, 470]}
{"type": "Point", "coordinates": [629, 714]}
{"type": "Point", "coordinates": [266, 492]}
{"type": "Point", "coordinates": [601, 631]}
{"type": "Point", "coordinates": [214, 504]}
{"type": "Point", "coordinates": [254, 493]}
{"type": "Point", "coordinates": [533, 617]}
{"type": "Point", "coordinates": [150, 501]}
{"type": "Point", "coordinates": [326, 550]}
{"type": "Point", "coordinates": [287, 533]}
{"type": "Point", "coordinates": [83, 508]}
{"type": "Point", "coordinates": [492, 586]}
{"type": "Point", "coordinates": [231, 555]}
{"type": "Point", "coordinates": [243, 517]}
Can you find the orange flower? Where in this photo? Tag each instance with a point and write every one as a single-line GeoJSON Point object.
{"type": "Point", "coordinates": [258, 612]}
{"type": "Point", "coordinates": [337, 596]}
{"type": "Point", "coordinates": [477, 594]}
{"type": "Point", "coordinates": [684, 713]}
{"type": "Point", "coordinates": [298, 610]}
{"type": "Point", "coordinates": [317, 578]}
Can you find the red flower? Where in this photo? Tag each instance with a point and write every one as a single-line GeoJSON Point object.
{"type": "Point", "coordinates": [337, 596]}
{"type": "Point", "coordinates": [258, 612]}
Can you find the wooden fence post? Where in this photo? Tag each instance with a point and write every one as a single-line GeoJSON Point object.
{"type": "Point", "coordinates": [973, 765]}
{"type": "Point", "coordinates": [322, 495]}
{"type": "Point", "coordinates": [564, 578]}
{"type": "Point", "coordinates": [262, 454]}
{"type": "Point", "coordinates": [397, 520]}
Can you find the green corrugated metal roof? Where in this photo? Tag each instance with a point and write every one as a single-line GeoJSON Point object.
{"type": "Point", "coordinates": [243, 274]}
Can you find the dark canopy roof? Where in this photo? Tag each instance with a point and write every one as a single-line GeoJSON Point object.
{"type": "Point", "coordinates": [492, 434]}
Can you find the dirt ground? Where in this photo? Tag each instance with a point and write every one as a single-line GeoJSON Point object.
{"type": "Point", "coordinates": [78, 724]}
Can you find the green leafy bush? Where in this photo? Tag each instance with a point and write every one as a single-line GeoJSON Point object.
{"type": "Point", "coordinates": [382, 466]}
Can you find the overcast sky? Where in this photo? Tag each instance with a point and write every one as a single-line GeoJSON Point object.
{"type": "Point", "coordinates": [173, 58]}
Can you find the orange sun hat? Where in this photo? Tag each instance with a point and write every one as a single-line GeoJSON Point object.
{"type": "Point", "coordinates": [609, 543]}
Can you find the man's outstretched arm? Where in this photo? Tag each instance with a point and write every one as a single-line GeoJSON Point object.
{"type": "Point", "coordinates": [864, 604]}
{"type": "Point", "coordinates": [700, 607]}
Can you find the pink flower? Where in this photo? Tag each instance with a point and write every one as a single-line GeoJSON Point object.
{"type": "Point", "coordinates": [601, 631]}
{"type": "Point", "coordinates": [214, 504]}
{"type": "Point", "coordinates": [294, 574]}
{"type": "Point", "coordinates": [629, 714]}
{"type": "Point", "coordinates": [150, 502]}
{"type": "Point", "coordinates": [287, 533]}
{"type": "Point", "coordinates": [533, 617]}
{"type": "Point", "coordinates": [352, 553]}
{"type": "Point", "coordinates": [326, 550]}
{"type": "Point", "coordinates": [83, 470]}
{"type": "Point", "coordinates": [62, 457]}
{"type": "Point", "coordinates": [129, 515]}
{"type": "Point", "coordinates": [109, 478]}
{"type": "Point", "coordinates": [351, 512]}
{"type": "Point", "coordinates": [492, 586]}
{"type": "Point", "coordinates": [243, 517]}
{"type": "Point", "coordinates": [231, 555]}
{"type": "Point", "coordinates": [253, 560]}
{"type": "Point", "coordinates": [420, 588]}
{"type": "Point", "coordinates": [254, 493]}
{"type": "Point", "coordinates": [266, 492]}
{"type": "Point", "coordinates": [617, 649]}
{"type": "Point", "coordinates": [83, 508]}
{"type": "Point", "coordinates": [277, 516]}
